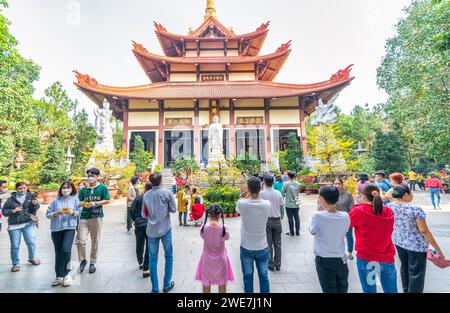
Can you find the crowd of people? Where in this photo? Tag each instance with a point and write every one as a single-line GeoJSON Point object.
{"type": "Point", "coordinates": [382, 217]}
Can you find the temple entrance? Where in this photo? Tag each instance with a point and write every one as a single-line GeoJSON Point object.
{"type": "Point", "coordinates": [204, 146]}
{"type": "Point", "coordinates": [280, 138]}
{"type": "Point", "coordinates": [251, 142]}
{"type": "Point", "coordinates": [149, 139]}
{"type": "Point", "coordinates": [177, 144]}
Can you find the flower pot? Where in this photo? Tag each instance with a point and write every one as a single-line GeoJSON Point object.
{"type": "Point", "coordinates": [230, 214]}
{"type": "Point", "coordinates": [236, 214]}
{"type": "Point", "coordinates": [308, 192]}
{"type": "Point", "coordinates": [48, 195]}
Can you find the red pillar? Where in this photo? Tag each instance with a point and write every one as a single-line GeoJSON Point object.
{"type": "Point", "coordinates": [232, 130]}
{"type": "Point", "coordinates": [125, 133]}
{"type": "Point", "coordinates": [161, 134]}
{"type": "Point", "coordinates": [267, 122]}
{"type": "Point", "coordinates": [197, 140]}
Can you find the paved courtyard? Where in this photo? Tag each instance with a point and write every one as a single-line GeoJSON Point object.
{"type": "Point", "coordinates": [117, 269]}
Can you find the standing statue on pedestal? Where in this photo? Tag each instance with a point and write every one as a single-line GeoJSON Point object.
{"type": "Point", "coordinates": [215, 141]}
{"type": "Point", "coordinates": [104, 130]}
{"type": "Point", "coordinates": [326, 112]}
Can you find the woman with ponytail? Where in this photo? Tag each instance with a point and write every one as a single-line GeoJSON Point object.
{"type": "Point", "coordinates": [374, 224]}
{"type": "Point", "coordinates": [214, 266]}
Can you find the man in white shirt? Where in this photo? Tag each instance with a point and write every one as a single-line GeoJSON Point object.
{"type": "Point", "coordinates": [273, 228]}
{"type": "Point", "coordinates": [4, 195]}
{"type": "Point", "coordinates": [254, 248]}
{"type": "Point", "coordinates": [329, 228]}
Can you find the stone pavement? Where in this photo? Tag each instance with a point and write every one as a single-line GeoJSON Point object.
{"type": "Point", "coordinates": [117, 269]}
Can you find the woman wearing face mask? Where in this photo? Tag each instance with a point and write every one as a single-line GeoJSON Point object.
{"type": "Point", "coordinates": [18, 209]}
{"type": "Point", "coordinates": [63, 213]}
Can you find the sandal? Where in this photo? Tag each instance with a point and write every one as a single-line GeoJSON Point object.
{"type": "Point", "coordinates": [15, 268]}
{"type": "Point", "coordinates": [35, 261]}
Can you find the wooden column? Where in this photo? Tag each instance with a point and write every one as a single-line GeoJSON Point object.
{"type": "Point", "coordinates": [125, 133]}
{"type": "Point", "coordinates": [267, 132]}
{"type": "Point", "coordinates": [197, 134]}
{"type": "Point", "coordinates": [161, 134]}
{"type": "Point", "coordinates": [232, 130]}
{"type": "Point", "coordinates": [303, 127]}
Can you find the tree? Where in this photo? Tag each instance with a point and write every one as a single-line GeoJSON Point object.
{"type": "Point", "coordinates": [294, 154]}
{"type": "Point", "coordinates": [185, 166]}
{"type": "Point", "coordinates": [414, 73]}
{"type": "Point", "coordinates": [330, 150]}
{"type": "Point", "coordinates": [389, 152]}
{"type": "Point", "coordinates": [83, 140]}
{"type": "Point", "coordinates": [53, 170]}
{"type": "Point", "coordinates": [17, 75]}
{"type": "Point", "coordinates": [117, 134]}
{"type": "Point", "coordinates": [248, 163]}
{"type": "Point", "coordinates": [139, 156]}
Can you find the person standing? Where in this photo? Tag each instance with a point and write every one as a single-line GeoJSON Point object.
{"type": "Point", "coordinates": [345, 204]}
{"type": "Point", "coordinates": [420, 182]}
{"type": "Point", "coordinates": [93, 197]}
{"type": "Point", "coordinates": [273, 227]}
{"type": "Point", "coordinates": [140, 231]}
{"type": "Point", "coordinates": [133, 192]}
{"type": "Point", "coordinates": [63, 213]}
{"type": "Point", "coordinates": [214, 266]}
{"type": "Point", "coordinates": [4, 196]}
{"type": "Point", "coordinates": [396, 180]}
{"type": "Point", "coordinates": [182, 205]}
{"type": "Point", "coordinates": [382, 183]}
{"type": "Point", "coordinates": [21, 209]}
{"type": "Point", "coordinates": [411, 238]}
{"type": "Point", "coordinates": [159, 203]}
{"type": "Point", "coordinates": [329, 228]}
{"type": "Point", "coordinates": [291, 191]}
{"type": "Point", "coordinates": [412, 179]}
{"type": "Point", "coordinates": [374, 224]}
{"type": "Point", "coordinates": [434, 186]}
{"type": "Point", "coordinates": [254, 248]}
{"type": "Point", "coordinates": [278, 185]}
{"type": "Point", "coordinates": [174, 184]}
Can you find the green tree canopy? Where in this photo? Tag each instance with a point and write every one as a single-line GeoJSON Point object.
{"type": "Point", "coordinates": [415, 74]}
{"type": "Point", "coordinates": [389, 152]}
{"type": "Point", "coordinates": [139, 156]}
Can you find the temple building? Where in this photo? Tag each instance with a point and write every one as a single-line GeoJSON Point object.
{"type": "Point", "coordinates": [213, 71]}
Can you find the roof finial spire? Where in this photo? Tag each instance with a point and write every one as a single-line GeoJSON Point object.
{"type": "Point", "coordinates": [210, 9]}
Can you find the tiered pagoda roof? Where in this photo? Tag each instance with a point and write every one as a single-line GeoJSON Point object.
{"type": "Point", "coordinates": [246, 49]}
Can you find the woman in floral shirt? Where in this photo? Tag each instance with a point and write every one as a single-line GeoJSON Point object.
{"type": "Point", "coordinates": [411, 237]}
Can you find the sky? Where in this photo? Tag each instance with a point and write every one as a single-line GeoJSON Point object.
{"type": "Point", "coordinates": [94, 37]}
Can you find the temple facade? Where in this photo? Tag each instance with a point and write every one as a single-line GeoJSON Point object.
{"type": "Point", "coordinates": [212, 71]}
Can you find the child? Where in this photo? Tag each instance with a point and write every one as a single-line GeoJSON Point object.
{"type": "Point", "coordinates": [182, 205]}
{"type": "Point", "coordinates": [214, 267]}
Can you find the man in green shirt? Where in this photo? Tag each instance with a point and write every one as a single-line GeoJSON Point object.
{"type": "Point", "coordinates": [92, 198]}
{"type": "Point", "coordinates": [291, 191]}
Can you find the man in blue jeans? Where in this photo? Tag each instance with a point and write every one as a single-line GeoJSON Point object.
{"type": "Point", "coordinates": [254, 248]}
{"type": "Point", "coordinates": [159, 203]}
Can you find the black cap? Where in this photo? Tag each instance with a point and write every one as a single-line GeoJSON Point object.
{"type": "Point", "coordinates": [380, 172]}
{"type": "Point", "coordinates": [94, 171]}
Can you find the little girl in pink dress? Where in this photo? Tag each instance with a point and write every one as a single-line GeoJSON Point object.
{"type": "Point", "coordinates": [214, 266]}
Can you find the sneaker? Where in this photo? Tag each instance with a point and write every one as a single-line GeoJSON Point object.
{"type": "Point", "coordinates": [141, 266]}
{"type": "Point", "coordinates": [171, 285]}
{"type": "Point", "coordinates": [58, 281]}
{"type": "Point", "coordinates": [34, 261]}
{"type": "Point", "coordinates": [15, 268]}
{"type": "Point", "coordinates": [145, 274]}
{"type": "Point", "coordinates": [67, 281]}
{"type": "Point", "coordinates": [83, 265]}
{"type": "Point", "coordinates": [289, 234]}
{"type": "Point", "coordinates": [271, 268]}
{"type": "Point", "coordinates": [92, 269]}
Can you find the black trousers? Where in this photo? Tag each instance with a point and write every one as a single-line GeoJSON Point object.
{"type": "Point", "coordinates": [333, 274]}
{"type": "Point", "coordinates": [293, 218]}
{"type": "Point", "coordinates": [141, 246]}
{"type": "Point", "coordinates": [412, 270]}
{"type": "Point", "coordinates": [63, 241]}
{"type": "Point", "coordinates": [412, 184]}
{"type": "Point", "coordinates": [129, 221]}
{"type": "Point", "coordinates": [273, 231]}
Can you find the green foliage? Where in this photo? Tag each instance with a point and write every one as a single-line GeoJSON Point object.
{"type": "Point", "coordinates": [389, 152]}
{"type": "Point", "coordinates": [226, 196]}
{"type": "Point", "coordinates": [247, 163]}
{"type": "Point", "coordinates": [140, 157]}
{"type": "Point", "coordinates": [415, 74]}
{"type": "Point", "coordinates": [51, 186]}
{"type": "Point", "coordinates": [294, 155]}
{"type": "Point", "coordinates": [117, 134]}
{"type": "Point", "coordinates": [222, 173]}
{"type": "Point", "coordinates": [185, 167]}
{"type": "Point", "coordinates": [157, 169]}
{"type": "Point", "coordinates": [53, 169]}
